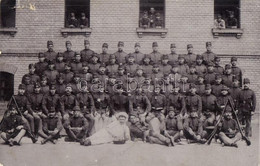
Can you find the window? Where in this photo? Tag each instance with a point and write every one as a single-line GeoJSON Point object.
{"type": "Point", "coordinates": [7, 13]}
{"type": "Point", "coordinates": [6, 86]}
{"type": "Point", "coordinates": [77, 13]}
{"type": "Point", "coordinates": [152, 14]}
{"type": "Point", "coordinates": [227, 11]}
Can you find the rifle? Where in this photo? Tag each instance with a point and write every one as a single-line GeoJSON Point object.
{"type": "Point", "coordinates": [213, 133]}
{"type": "Point", "coordinates": [248, 142]}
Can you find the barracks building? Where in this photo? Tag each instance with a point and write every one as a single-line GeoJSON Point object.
{"type": "Point", "coordinates": [27, 25]}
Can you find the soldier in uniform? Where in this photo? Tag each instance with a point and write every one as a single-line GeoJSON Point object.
{"type": "Point", "coordinates": [158, 22]}
{"type": "Point", "coordinates": [76, 126]}
{"type": "Point", "coordinates": [137, 54]}
{"type": "Point", "coordinates": [33, 77]}
{"type": "Point", "coordinates": [76, 65]}
{"type": "Point", "coordinates": [42, 65]}
{"type": "Point", "coordinates": [193, 101]}
{"type": "Point", "coordinates": [210, 75]}
{"type": "Point", "coordinates": [68, 54]}
{"type": "Point", "coordinates": [165, 68]}
{"type": "Point", "coordinates": [152, 16]}
{"type": "Point", "coordinates": [155, 55]}
{"type": "Point", "coordinates": [200, 67]}
{"type": "Point", "coordinates": [72, 21]}
{"type": "Point", "coordinates": [67, 102]}
{"type": "Point", "coordinates": [192, 76]}
{"type": "Point", "coordinates": [200, 85]}
{"type": "Point", "coordinates": [184, 85]}
{"type": "Point", "coordinates": [51, 101]}
{"type": "Point", "coordinates": [60, 85]}
{"type": "Point", "coordinates": [183, 68]}
{"type": "Point", "coordinates": [111, 84]}
{"type": "Point", "coordinates": [231, 20]}
{"type": "Point", "coordinates": [68, 74]}
{"type": "Point", "coordinates": [119, 101]}
{"type": "Point", "coordinates": [158, 101]}
{"type": "Point", "coordinates": [190, 58]}
{"type": "Point", "coordinates": [76, 84]}
{"type": "Point", "coordinates": [217, 68]}
{"type": "Point", "coordinates": [93, 64]}
{"type": "Point", "coordinates": [44, 86]}
{"type": "Point", "coordinates": [145, 21]}
{"type": "Point", "coordinates": [28, 85]}
{"type": "Point", "coordinates": [208, 56]}
{"type": "Point", "coordinates": [229, 133]}
{"type": "Point", "coordinates": [227, 78]}
{"type": "Point", "coordinates": [147, 67]}
{"type": "Point", "coordinates": [50, 55]}
{"type": "Point", "coordinates": [35, 109]}
{"type": "Point", "coordinates": [52, 127]}
{"type": "Point", "coordinates": [131, 66]}
{"type": "Point", "coordinates": [224, 97]}
{"type": "Point", "coordinates": [104, 56]}
{"type": "Point", "coordinates": [83, 21]}
{"type": "Point", "coordinates": [51, 73]}
{"type": "Point", "coordinates": [86, 74]}
{"type": "Point", "coordinates": [173, 57]}
{"type": "Point", "coordinates": [175, 76]}
{"type": "Point", "coordinates": [176, 100]}
{"type": "Point", "coordinates": [217, 86]}
{"type": "Point", "coordinates": [247, 105]}
{"type": "Point", "coordinates": [140, 103]}
{"type": "Point", "coordinates": [139, 77]}
{"type": "Point", "coordinates": [102, 74]}
{"type": "Point", "coordinates": [156, 76]}
{"type": "Point", "coordinates": [234, 92]}
{"type": "Point", "coordinates": [23, 103]}
{"type": "Point", "coordinates": [236, 71]}
{"type": "Point", "coordinates": [13, 127]}
{"type": "Point", "coordinates": [120, 54]}
{"type": "Point", "coordinates": [59, 63]}
{"type": "Point", "coordinates": [87, 53]}
{"type": "Point", "coordinates": [120, 75]}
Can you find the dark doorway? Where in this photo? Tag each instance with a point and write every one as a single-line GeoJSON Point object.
{"type": "Point", "coordinates": [6, 86]}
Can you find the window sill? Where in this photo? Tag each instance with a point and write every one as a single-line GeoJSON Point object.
{"type": "Point", "coordinates": [151, 32]}
{"type": "Point", "coordinates": [9, 31]}
{"type": "Point", "coordinates": [227, 32]}
{"type": "Point", "coordinates": [76, 31]}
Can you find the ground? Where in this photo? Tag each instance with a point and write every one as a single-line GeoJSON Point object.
{"type": "Point", "coordinates": [131, 154]}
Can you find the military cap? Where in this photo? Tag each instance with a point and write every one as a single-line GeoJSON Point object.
{"type": "Point", "coordinates": [49, 43]}
{"type": "Point", "coordinates": [246, 81]}
{"type": "Point", "coordinates": [171, 109]}
{"type": "Point", "coordinates": [155, 44]}
{"type": "Point", "coordinates": [145, 12]}
{"type": "Point", "coordinates": [192, 86]}
{"type": "Point", "coordinates": [95, 55]}
{"type": "Point", "coordinates": [36, 85]}
{"type": "Point", "coordinates": [51, 63]}
{"type": "Point", "coordinates": [137, 44]}
{"type": "Point", "coordinates": [218, 76]}
{"type": "Point", "coordinates": [211, 63]}
{"type": "Point", "coordinates": [157, 15]}
{"type": "Point", "coordinates": [233, 59]}
{"type": "Point", "coordinates": [193, 66]}
{"type": "Point", "coordinates": [120, 43]}
{"type": "Point", "coordinates": [112, 56]}
{"type": "Point", "coordinates": [181, 56]}
{"type": "Point", "coordinates": [52, 87]}
{"type": "Point", "coordinates": [146, 76]}
{"type": "Point", "coordinates": [199, 56]}
{"type": "Point", "coordinates": [86, 42]}
{"type": "Point", "coordinates": [31, 66]}
{"type": "Point", "coordinates": [68, 85]}
{"type": "Point", "coordinates": [76, 108]}
{"type": "Point", "coordinates": [184, 75]}
{"type": "Point", "coordinates": [224, 87]}
{"type": "Point", "coordinates": [132, 75]}
{"type": "Point", "coordinates": [21, 86]}
{"type": "Point", "coordinates": [120, 67]}
{"type": "Point", "coordinates": [175, 64]}
{"type": "Point", "coordinates": [84, 64]}
{"type": "Point", "coordinates": [105, 45]}
{"type": "Point", "coordinates": [68, 42]}
{"type": "Point", "coordinates": [43, 77]}
{"type": "Point", "coordinates": [208, 43]}
{"type": "Point", "coordinates": [173, 45]}
{"type": "Point", "coordinates": [155, 65]}
{"type": "Point", "coordinates": [77, 53]}
{"type": "Point", "coordinates": [165, 75]}
{"type": "Point", "coordinates": [111, 75]}
{"type": "Point", "coordinates": [147, 56]}
{"type": "Point", "coordinates": [165, 56]}
{"type": "Point", "coordinates": [60, 75]}
{"type": "Point", "coordinates": [200, 76]}
{"type": "Point", "coordinates": [102, 65]}
{"type": "Point", "coordinates": [207, 87]}
{"type": "Point", "coordinates": [133, 113]}
{"type": "Point", "coordinates": [83, 14]}
{"type": "Point", "coordinates": [189, 46]}
{"type": "Point", "coordinates": [139, 68]}
{"type": "Point", "coordinates": [122, 114]}
{"type": "Point", "coordinates": [227, 66]}
{"type": "Point", "coordinates": [131, 56]}
{"type": "Point", "coordinates": [94, 76]}
{"type": "Point", "coordinates": [40, 55]}
{"type": "Point", "coordinates": [60, 54]}
{"type": "Point", "coordinates": [76, 75]}
{"type": "Point", "coordinates": [235, 80]}
{"type": "Point", "coordinates": [67, 65]}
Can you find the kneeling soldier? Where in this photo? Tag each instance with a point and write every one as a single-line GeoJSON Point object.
{"type": "Point", "coordinates": [76, 126]}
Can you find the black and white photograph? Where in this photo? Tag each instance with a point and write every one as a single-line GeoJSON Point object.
{"type": "Point", "coordinates": [129, 82]}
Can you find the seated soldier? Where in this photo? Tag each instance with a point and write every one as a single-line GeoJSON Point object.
{"type": "Point", "coordinates": [174, 124]}
{"type": "Point", "coordinates": [200, 85]}
{"type": "Point", "coordinates": [183, 68]}
{"type": "Point", "coordinates": [200, 67]}
{"type": "Point", "coordinates": [176, 100]}
{"type": "Point", "coordinates": [76, 84]}
{"type": "Point", "coordinates": [138, 130]}
{"type": "Point", "coordinates": [60, 63]}
{"type": "Point", "coordinates": [156, 76]}
{"type": "Point", "coordinates": [158, 100]}
{"type": "Point", "coordinates": [51, 73]}
{"type": "Point", "coordinates": [76, 65]}
{"type": "Point", "coordinates": [83, 22]}
{"type": "Point", "coordinates": [192, 76]}
{"type": "Point", "coordinates": [28, 85]}
{"type": "Point", "coordinates": [146, 64]}
{"type": "Point", "coordinates": [52, 126]}
{"type": "Point", "coordinates": [76, 126]}
{"type": "Point", "coordinates": [217, 68]}
{"type": "Point", "coordinates": [229, 133]}
{"type": "Point", "coordinates": [193, 101]}
{"type": "Point", "coordinates": [44, 86]}
{"type": "Point", "coordinates": [165, 67]}
{"type": "Point", "coordinates": [86, 74]}
{"type": "Point", "coordinates": [236, 71]}
{"type": "Point", "coordinates": [72, 22]}
{"type": "Point", "coordinates": [228, 77]}
{"type": "Point", "coordinates": [33, 76]}
{"type": "Point", "coordinates": [145, 21]}
{"type": "Point", "coordinates": [112, 67]}
{"type": "Point", "coordinates": [94, 64]}
{"type": "Point", "coordinates": [42, 65]}
{"type": "Point", "coordinates": [68, 74]}
{"type": "Point", "coordinates": [175, 76]}
{"type": "Point", "coordinates": [131, 66]}
{"type": "Point", "coordinates": [13, 127]}
{"type": "Point", "coordinates": [184, 85]}
{"type": "Point", "coordinates": [60, 85]}
{"type": "Point", "coordinates": [193, 128]}
{"type": "Point", "coordinates": [210, 75]}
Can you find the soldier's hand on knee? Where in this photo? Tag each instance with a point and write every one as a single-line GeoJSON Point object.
{"type": "Point", "coordinates": [19, 127]}
{"type": "Point", "coordinates": [26, 113]}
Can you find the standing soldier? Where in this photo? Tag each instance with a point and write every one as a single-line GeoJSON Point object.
{"type": "Point", "coordinates": [42, 65]}
{"type": "Point", "coordinates": [183, 68]}
{"type": "Point", "coordinates": [234, 92]}
{"type": "Point", "coordinates": [190, 58]}
{"type": "Point", "coordinates": [173, 57]}
{"type": "Point", "coordinates": [208, 56]}
{"type": "Point", "coordinates": [51, 73]}
{"type": "Point", "coordinates": [33, 77]}
{"type": "Point", "coordinates": [137, 54]}
{"type": "Point", "coordinates": [59, 63]}
{"type": "Point", "coordinates": [147, 67]}
{"type": "Point", "coordinates": [165, 68]}
{"type": "Point", "coordinates": [227, 78]}
{"type": "Point", "coordinates": [23, 103]}
{"type": "Point", "coordinates": [50, 55]}
{"type": "Point", "coordinates": [112, 67]}
{"type": "Point", "coordinates": [247, 104]}
{"type": "Point", "coordinates": [120, 54]}
{"type": "Point", "coordinates": [51, 101]}
{"type": "Point", "coordinates": [193, 101]}
{"type": "Point", "coordinates": [68, 54]}
{"type": "Point", "coordinates": [200, 67]}
{"type": "Point", "coordinates": [217, 68]}
{"type": "Point", "coordinates": [210, 75]}
{"type": "Point", "coordinates": [236, 71]}
{"type": "Point", "coordinates": [217, 86]}
{"type": "Point", "coordinates": [76, 65]}
{"type": "Point", "coordinates": [68, 74]}
{"type": "Point", "coordinates": [224, 97]}
{"type": "Point", "coordinates": [87, 53]}
{"type": "Point", "coordinates": [104, 56]}
{"type": "Point", "coordinates": [155, 55]}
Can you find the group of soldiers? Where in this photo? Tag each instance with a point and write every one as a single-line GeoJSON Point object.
{"type": "Point", "coordinates": [167, 97]}
{"type": "Point", "coordinates": [151, 20]}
